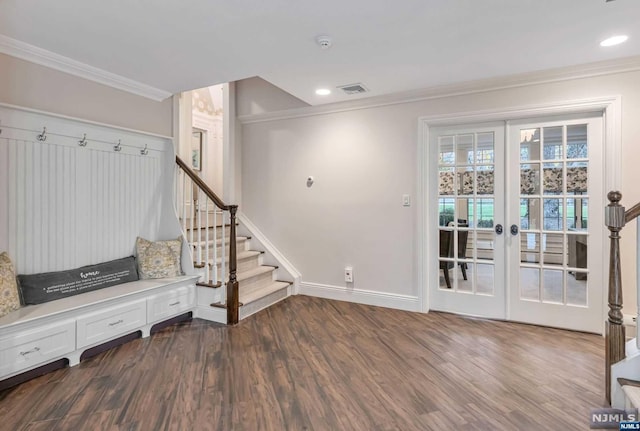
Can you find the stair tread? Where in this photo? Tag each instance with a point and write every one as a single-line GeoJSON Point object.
{"type": "Point", "coordinates": [218, 241]}
{"type": "Point", "coordinates": [239, 256]}
{"type": "Point", "coordinates": [633, 394]}
{"type": "Point", "coordinates": [262, 292]}
{"type": "Point", "coordinates": [259, 270]}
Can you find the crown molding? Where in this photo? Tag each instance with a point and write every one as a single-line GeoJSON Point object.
{"type": "Point", "coordinates": [31, 53]}
{"type": "Point", "coordinates": [589, 70]}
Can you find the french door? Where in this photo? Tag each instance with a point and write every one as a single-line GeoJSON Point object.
{"type": "Point", "coordinates": [517, 234]}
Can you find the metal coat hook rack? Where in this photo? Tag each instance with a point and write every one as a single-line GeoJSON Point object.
{"type": "Point", "coordinates": [83, 142]}
{"type": "Point", "coordinates": [118, 147]}
{"type": "Point", "coordinates": [42, 136]}
{"type": "Point", "coordinates": [145, 150]}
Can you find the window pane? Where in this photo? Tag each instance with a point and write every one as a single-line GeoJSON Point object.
{"type": "Point", "coordinates": [529, 144]}
{"type": "Point", "coordinates": [446, 152]}
{"type": "Point", "coordinates": [530, 247]}
{"type": "Point", "coordinates": [530, 283]}
{"type": "Point", "coordinates": [552, 286]}
{"type": "Point", "coordinates": [484, 180]}
{"type": "Point", "coordinates": [552, 148]}
{"type": "Point", "coordinates": [464, 149]}
{"type": "Point", "coordinates": [530, 214]}
{"type": "Point", "coordinates": [447, 181]}
{"type": "Point", "coordinates": [552, 214]}
{"type": "Point", "coordinates": [553, 182]}
{"type": "Point", "coordinates": [530, 179]}
{"type": "Point", "coordinates": [485, 149]}
{"type": "Point", "coordinates": [577, 177]}
{"type": "Point", "coordinates": [484, 212]}
{"type": "Point", "coordinates": [577, 142]}
{"type": "Point", "coordinates": [446, 211]}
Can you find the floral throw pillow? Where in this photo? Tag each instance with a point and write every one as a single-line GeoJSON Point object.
{"type": "Point", "coordinates": [159, 259]}
{"type": "Point", "coordinates": [9, 297]}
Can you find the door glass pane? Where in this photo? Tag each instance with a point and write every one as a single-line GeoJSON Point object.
{"type": "Point", "coordinates": [485, 278]}
{"type": "Point", "coordinates": [577, 250]}
{"type": "Point", "coordinates": [484, 180]}
{"type": "Point", "coordinates": [530, 247]}
{"type": "Point", "coordinates": [447, 155]}
{"type": "Point", "coordinates": [553, 249]}
{"type": "Point", "coordinates": [577, 141]}
{"type": "Point", "coordinates": [530, 283]}
{"type": "Point", "coordinates": [552, 214]}
{"type": "Point", "coordinates": [462, 212]}
{"type": "Point", "coordinates": [529, 144]}
{"type": "Point", "coordinates": [484, 245]}
{"type": "Point", "coordinates": [464, 149]}
{"type": "Point", "coordinates": [530, 179]}
{"type": "Point", "coordinates": [552, 290]}
{"type": "Point", "coordinates": [552, 147]}
{"type": "Point", "coordinates": [530, 214]}
{"type": "Point", "coordinates": [577, 178]}
{"type": "Point", "coordinates": [446, 181]}
{"type": "Point", "coordinates": [553, 182]}
{"type": "Point", "coordinates": [446, 209]}
{"type": "Point", "coordinates": [484, 212]}
{"type": "Point", "coordinates": [465, 180]}
{"type": "Point", "coordinates": [485, 149]}
{"type": "Point", "coordinates": [577, 288]}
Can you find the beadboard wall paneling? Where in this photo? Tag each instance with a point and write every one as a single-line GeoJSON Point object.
{"type": "Point", "coordinates": [65, 205]}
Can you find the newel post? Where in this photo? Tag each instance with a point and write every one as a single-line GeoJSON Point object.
{"type": "Point", "coordinates": [614, 330]}
{"type": "Point", "coordinates": [233, 297]}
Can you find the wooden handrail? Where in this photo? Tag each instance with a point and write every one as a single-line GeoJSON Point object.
{"type": "Point", "coordinates": [233, 294]}
{"type": "Point", "coordinates": [202, 185]}
{"type": "Point", "coordinates": [632, 213]}
{"type": "Point", "coordinates": [615, 217]}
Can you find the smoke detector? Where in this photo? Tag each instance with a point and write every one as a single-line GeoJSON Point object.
{"type": "Point", "coordinates": [324, 42]}
{"type": "Point", "coordinates": [353, 88]}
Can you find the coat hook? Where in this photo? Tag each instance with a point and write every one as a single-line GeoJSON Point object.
{"type": "Point", "coordinates": [144, 151]}
{"type": "Point", "coordinates": [118, 147]}
{"type": "Point", "coordinates": [42, 136]}
{"type": "Point", "coordinates": [83, 141]}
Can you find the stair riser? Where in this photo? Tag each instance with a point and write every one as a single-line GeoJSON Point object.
{"type": "Point", "coordinates": [257, 282]}
{"type": "Point", "coordinates": [241, 245]}
{"type": "Point", "coordinates": [243, 265]}
{"type": "Point", "coordinates": [203, 234]}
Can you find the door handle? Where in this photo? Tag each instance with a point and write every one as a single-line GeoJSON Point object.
{"type": "Point", "coordinates": [499, 229]}
{"type": "Point", "coordinates": [514, 229]}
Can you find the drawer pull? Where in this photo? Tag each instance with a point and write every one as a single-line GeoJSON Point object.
{"type": "Point", "coordinates": [35, 349]}
{"type": "Point", "coordinates": [174, 304]}
{"type": "Point", "coordinates": [116, 323]}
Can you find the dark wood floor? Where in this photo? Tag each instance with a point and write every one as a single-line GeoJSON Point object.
{"type": "Point", "coordinates": [315, 364]}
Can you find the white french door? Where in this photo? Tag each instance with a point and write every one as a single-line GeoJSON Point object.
{"type": "Point", "coordinates": [556, 209]}
{"type": "Point", "coordinates": [469, 204]}
{"type": "Point", "coordinates": [519, 221]}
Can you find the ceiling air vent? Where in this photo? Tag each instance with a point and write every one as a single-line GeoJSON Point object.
{"type": "Point", "coordinates": [353, 88]}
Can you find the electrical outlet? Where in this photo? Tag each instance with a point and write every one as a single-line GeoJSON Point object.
{"type": "Point", "coordinates": [348, 274]}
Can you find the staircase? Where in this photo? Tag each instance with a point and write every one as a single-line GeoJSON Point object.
{"type": "Point", "coordinates": [233, 275]}
{"type": "Point", "coordinates": [258, 284]}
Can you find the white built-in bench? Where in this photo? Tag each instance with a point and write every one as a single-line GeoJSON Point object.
{"type": "Point", "coordinates": [36, 335]}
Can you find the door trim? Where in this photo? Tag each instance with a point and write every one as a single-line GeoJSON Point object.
{"type": "Point", "coordinates": [610, 106]}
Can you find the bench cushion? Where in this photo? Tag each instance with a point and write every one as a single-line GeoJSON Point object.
{"type": "Point", "coordinates": [9, 298]}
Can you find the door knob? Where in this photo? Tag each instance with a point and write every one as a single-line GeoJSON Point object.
{"type": "Point", "coordinates": [499, 229]}
{"type": "Point", "coordinates": [514, 229]}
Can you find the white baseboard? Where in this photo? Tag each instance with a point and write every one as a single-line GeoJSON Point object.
{"type": "Point", "coordinates": [212, 314]}
{"type": "Point", "coordinates": [359, 296]}
{"type": "Point", "coordinates": [271, 251]}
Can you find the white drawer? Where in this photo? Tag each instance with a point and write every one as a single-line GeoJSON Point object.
{"type": "Point", "coordinates": [109, 323]}
{"type": "Point", "coordinates": [30, 348]}
{"type": "Point", "coordinates": [169, 304]}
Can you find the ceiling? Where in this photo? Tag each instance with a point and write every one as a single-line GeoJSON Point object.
{"type": "Point", "coordinates": [388, 46]}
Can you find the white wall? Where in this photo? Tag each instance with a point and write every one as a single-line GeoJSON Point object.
{"type": "Point", "coordinates": [363, 160]}
{"type": "Point", "coordinates": [38, 87]}
{"type": "Point", "coordinates": [256, 96]}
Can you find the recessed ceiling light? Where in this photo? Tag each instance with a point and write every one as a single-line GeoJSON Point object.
{"type": "Point", "coordinates": [615, 40]}
{"type": "Point", "coordinates": [323, 91]}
